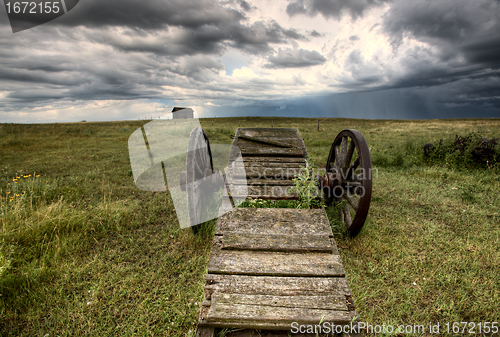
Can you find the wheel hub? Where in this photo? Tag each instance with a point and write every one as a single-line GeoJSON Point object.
{"type": "Point", "coordinates": [331, 184]}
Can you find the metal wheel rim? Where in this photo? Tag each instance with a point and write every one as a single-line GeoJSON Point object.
{"type": "Point", "coordinates": [352, 143]}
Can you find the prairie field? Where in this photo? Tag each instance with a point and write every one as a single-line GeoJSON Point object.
{"type": "Point", "coordinates": [83, 251]}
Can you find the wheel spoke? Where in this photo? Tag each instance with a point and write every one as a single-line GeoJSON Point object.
{"type": "Point", "coordinates": [343, 153]}
{"type": "Point", "coordinates": [354, 165]}
{"type": "Point", "coordinates": [349, 154]}
{"type": "Point", "coordinates": [347, 216]}
{"type": "Point", "coordinates": [337, 157]}
{"type": "Point", "coordinates": [351, 183]}
{"type": "Point", "coordinates": [351, 201]}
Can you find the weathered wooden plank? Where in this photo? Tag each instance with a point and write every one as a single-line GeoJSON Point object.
{"type": "Point", "coordinates": [281, 136]}
{"type": "Point", "coordinates": [282, 221]}
{"type": "Point", "coordinates": [334, 245]}
{"type": "Point", "coordinates": [271, 164]}
{"type": "Point", "coordinates": [277, 242]}
{"type": "Point", "coordinates": [327, 302]}
{"type": "Point", "coordinates": [265, 172]}
{"type": "Point", "coordinates": [268, 132]}
{"type": "Point", "coordinates": [273, 139]}
{"type": "Point", "coordinates": [242, 315]}
{"type": "Point", "coordinates": [261, 182]}
{"type": "Point", "coordinates": [269, 141]}
{"type": "Point", "coordinates": [248, 262]}
{"type": "Point", "coordinates": [265, 326]}
{"type": "Point", "coordinates": [279, 286]}
{"type": "Point", "coordinates": [269, 312]}
{"type": "Point", "coordinates": [263, 192]}
{"type": "Point", "coordinates": [264, 160]}
{"type": "Point", "coordinates": [248, 150]}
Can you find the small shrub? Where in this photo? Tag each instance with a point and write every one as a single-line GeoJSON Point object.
{"type": "Point", "coordinates": [470, 151]}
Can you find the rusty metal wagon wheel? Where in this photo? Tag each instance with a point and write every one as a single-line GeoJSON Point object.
{"type": "Point", "coordinates": [198, 166]}
{"type": "Point", "coordinates": [348, 178]}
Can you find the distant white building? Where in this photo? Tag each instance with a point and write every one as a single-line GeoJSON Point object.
{"type": "Point", "coordinates": [179, 113]}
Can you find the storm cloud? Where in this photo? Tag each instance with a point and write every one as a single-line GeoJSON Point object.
{"type": "Point", "coordinates": [441, 56]}
{"type": "Point", "coordinates": [331, 8]}
{"type": "Point", "coordinates": [289, 58]}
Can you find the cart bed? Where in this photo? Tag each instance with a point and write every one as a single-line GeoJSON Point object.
{"type": "Point", "coordinates": [271, 267]}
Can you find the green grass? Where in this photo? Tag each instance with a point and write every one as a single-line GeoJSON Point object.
{"type": "Point", "coordinates": [84, 252]}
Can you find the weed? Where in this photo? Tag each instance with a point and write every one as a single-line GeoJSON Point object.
{"type": "Point", "coordinates": [306, 188]}
{"type": "Point", "coordinates": [263, 203]}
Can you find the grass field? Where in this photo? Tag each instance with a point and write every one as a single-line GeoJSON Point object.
{"type": "Point", "coordinates": [85, 252]}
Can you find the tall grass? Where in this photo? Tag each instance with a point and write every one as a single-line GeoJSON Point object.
{"type": "Point", "coordinates": [84, 252]}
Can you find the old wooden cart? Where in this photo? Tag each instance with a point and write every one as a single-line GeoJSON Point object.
{"type": "Point", "coordinates": [275, 268]}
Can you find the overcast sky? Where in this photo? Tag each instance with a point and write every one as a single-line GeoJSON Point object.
{"type": "Point", "coordinates": [129, 59]}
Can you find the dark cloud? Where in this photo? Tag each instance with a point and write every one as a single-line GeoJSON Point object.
{"type": "Point", "coordinates": [170, 49]}
{"type": "Point", "coordinates": [441, 19]}
{"type": "Point", "coordinates": [485, 51]}
{"type": "Point", "coordinates": [457, 64]}
{"type": "Point", "coordinates": [207, 26]}
{"type": "Point", "coordinates": [331, 8]}
{"type": "Point", "coordinates": [199, 68]}
{"type": "Point", "coordinates": [314, 33]}
{"type": "Point", "coordinates": [152, 14]}
{"type": "Point", "coordinates": [207, 39]}
{"type": "Point", "coordinates": [239, 4]}
{"type": "Point", "coordinates": [127, 49]}
{"type": "Point", "coordinates": [247, 7]}
{"type": "Point", "coordinates": [290, 58]}
{"type": "Point", "coordinates": [459, 27]}
{"type": "Point", "coordinates": [256, 38]}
